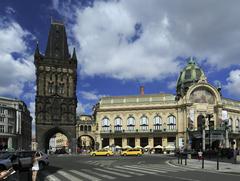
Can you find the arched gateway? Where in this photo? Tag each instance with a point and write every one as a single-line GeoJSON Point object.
{"type": "Point", "coordinates": [56, 99]}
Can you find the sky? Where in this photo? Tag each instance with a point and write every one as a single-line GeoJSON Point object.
{"type": "Point", "coordinates": [122, 44]}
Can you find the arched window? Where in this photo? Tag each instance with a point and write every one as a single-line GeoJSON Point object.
{"type": "Point", "coordinates": [85, 128]}
{"type": "Point", "coordinates": [118, 124]}
{"type": "Point", "coordinates": [105, 124]}
{"type": "Point", "coordinates": [237, 125]}
{"type": "Point", "coordinates": [131, 123]}
{"type": "Point", "coordinates": [144, 123]}
{"type": "Point", "coordinates": [171, 122]}
{"type": "Point", "coordinates": [81, 128]}
{"type": "Point", "coordinates": [230, 126]}
{"type": "Point", "coordinates": [89, 128]}
{"type": "Point", "coordinates": [157, 123]}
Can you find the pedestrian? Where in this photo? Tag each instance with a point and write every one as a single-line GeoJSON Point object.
{"type": "Point", "coordinates": [35, 166]}
{"type": "Point", "coordinates": [200, 155]}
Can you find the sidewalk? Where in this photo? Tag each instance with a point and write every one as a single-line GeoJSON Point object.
{"type": "Point", "coordinates": [208, 165]}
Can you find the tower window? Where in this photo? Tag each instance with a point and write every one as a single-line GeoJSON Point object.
{"type": "Point", "coordinates": [188, 74]}
{"type": "Point", "coordinates": [50, 88]}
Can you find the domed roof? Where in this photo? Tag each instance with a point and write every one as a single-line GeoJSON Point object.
{"type": "Point", "coordinates": [188, 76]}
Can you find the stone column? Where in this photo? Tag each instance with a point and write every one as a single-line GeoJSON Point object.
{"type": "Point", "coordinates": [150, 142]}
{"type": "Point", "coordinates": [137, 141]}
{"type": "Point", "coordinates": [124, 142]}
{"type": "Point", "coordinates": [10, 143]}
{"type": "Point", "coordinates": [111, 141]}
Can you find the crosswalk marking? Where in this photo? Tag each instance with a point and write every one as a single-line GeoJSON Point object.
{"type": "Point", "coordinates": [163, 169]}
{"type": "Point", "coordinates": [124, 171]}
{"type": "Point", "coordinates": [99, 174]}
{"type": "Point", "coordinates": [111, 172]}
{"type": "Point", "coordinates": [68, 176]}
{"type": "Point", "coordinates": [134, 169]}
{"type": "Point", "coordinates": [50, 177]}
{"type": "Point", "coordinates": [92, 178]}
{"type": "Point", "coordinates": [147, 169]}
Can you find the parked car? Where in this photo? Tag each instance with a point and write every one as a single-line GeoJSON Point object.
{"type": "Point", "coordinates": [5, 161]}
{"type": "Point", "coordinates": [101, 153]}
{"type": "Point", "coordinates": [136, 152]}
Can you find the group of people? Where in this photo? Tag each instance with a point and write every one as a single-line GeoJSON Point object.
{"type": "Point", "coordinates": [7, 173]}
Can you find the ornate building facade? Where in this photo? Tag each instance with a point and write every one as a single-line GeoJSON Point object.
{"type": "Point", "coordinates": [197, 117]}
{"type": "Point", "coordinates": [86, 133]}
{"type": "Point", "coordinates": [56, 100]}
{"type": "Point", "coordinates": [15, 125]}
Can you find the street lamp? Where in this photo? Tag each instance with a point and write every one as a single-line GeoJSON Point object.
{"type": "Point", "coordinates": [203, 133]}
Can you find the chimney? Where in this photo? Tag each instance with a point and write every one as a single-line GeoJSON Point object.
{"type": "Point", "coordinates": [141, 90]}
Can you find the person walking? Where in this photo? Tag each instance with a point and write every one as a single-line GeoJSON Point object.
{"type": "Point", "coordinates": [35, 166]}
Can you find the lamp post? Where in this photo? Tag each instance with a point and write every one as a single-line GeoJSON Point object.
{"type": "Point", "coordinates": [203, 133]}
{"type": "Point", "coordinates": [226, 131]}
{"type": "Point", "coordinates": [210, 126]}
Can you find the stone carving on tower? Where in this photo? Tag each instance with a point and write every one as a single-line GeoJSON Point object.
{"type": "Point", "coordinates": [56, 74]}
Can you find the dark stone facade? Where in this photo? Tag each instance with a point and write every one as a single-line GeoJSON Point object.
{"type": "Point", "coordinates": [56, 100]}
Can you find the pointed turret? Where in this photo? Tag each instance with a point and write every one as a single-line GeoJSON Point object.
{"type": "Point", "coordinates": [74, 56]}
{"type": "Point", "coordinates": [37, 53]}
{"type": "Point", "coordinates": [57, 46]}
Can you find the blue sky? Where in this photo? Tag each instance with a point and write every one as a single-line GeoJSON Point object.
{"type": "Point", "coordinates": [122, 44]}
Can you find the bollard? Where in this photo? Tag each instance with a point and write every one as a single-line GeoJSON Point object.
{"type": "Point", "coordinates": [181, 159]}
{"type": "Point", "coordinates": [217, 162]}
{"type": "Point", "coordinates": [185, 160]}
{"type": "Point", "coordinates": [202, 162]}
{"type": "Point", "coordinates": [178, 159]}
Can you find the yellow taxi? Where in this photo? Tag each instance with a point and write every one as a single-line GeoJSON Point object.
{"type": "Point", "coordinates": [136, 152]}
{"type": "Point", "coordinates": [101, 153]}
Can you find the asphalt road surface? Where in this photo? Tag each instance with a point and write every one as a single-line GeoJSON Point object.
{"type": "Point", "coordinates": [143, 168]}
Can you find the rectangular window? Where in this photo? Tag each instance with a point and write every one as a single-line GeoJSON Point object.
{"type": "Point", "coordinates": [157, 127]}
{"type": "Point", "coordinates": [118, 128]}
{"type": "Point", "coordinates": [10, 129]}
{"type": "Point", "coordinates": [144, 128]}
{"type": "Point", "coordinates": [131, 128]}
{"type": "Point", "coordinates": [1, 110]}
{"type": "Point", "coordinates": [1, 128]}
{"type": "Point", "coordinates": [2, 119]}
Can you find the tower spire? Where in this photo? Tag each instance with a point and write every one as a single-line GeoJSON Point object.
{"type": "Point", "coordinates": [37, 53]}
{"type": "Point", "coordinates": [57, 46]}
{"type": "Point", "coordinates": [74, 56]}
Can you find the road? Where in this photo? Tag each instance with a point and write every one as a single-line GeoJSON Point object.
{"type": "Point", "coordinates": [146, 167]}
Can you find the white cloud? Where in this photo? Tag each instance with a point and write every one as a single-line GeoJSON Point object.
{"type": "Point", "coordinates": [16, 64]}
{"type": "Point", "coordinates": [90, 95]}
{"type": "Point", "coordinates": [172, 85]}
{"type": "Point", "coordinates": [170, 29]}
{"type": "Point", "coordinates": [233, 82]}
{"type": "Point", "coordinates": [9, 10]}
{"type": "Point", "coordinates": [84, 108]}
{"type": "Point", "coordinates": [32, 112]}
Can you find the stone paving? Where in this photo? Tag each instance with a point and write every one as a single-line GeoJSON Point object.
{"type": "Point", "coordinates": [208, 165]}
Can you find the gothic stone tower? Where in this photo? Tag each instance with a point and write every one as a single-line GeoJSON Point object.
{"type": "Point", "coordinates": [56, 100]}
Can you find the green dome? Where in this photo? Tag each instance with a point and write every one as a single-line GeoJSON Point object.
{"type": "Point", "coordinates": [188, 76]}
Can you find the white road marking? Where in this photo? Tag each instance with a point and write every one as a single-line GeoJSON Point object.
{"type": "Point", "coordinates": [81, 174]}
{"type": "Point", "coordinates": [68, 176]}
{"type": "Point", "coordinates": [147, 169]}
{"type": "Point", "coordinates": [49, 176]}
{"type": "Point", "coordinates": [124, 171]}
{"type": "Point", "coordinates": [134, 169]}
{"type": "Point", "coordinates": [111, 172]}
{"type": "Point", "coordinates": [100, 175]}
